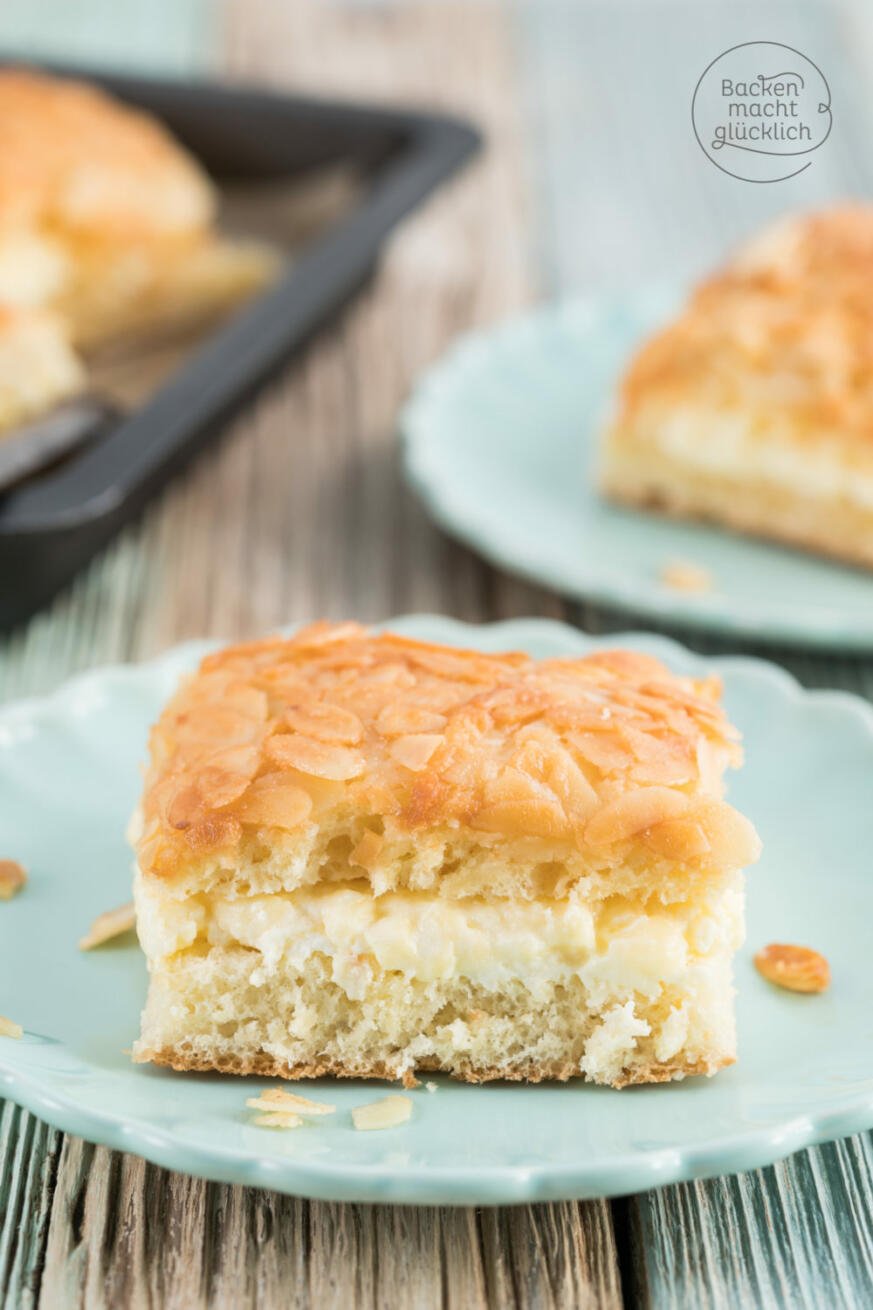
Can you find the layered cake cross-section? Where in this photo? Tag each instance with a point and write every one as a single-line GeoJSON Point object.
{"type": "Point", "coordinates": [754, 406]}
{"type": "Point", "coordinates": [367, 856]}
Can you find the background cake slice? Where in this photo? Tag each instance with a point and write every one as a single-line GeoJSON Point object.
{"type": "Point", "coordinates": [367, 856]}
{"type": "Point", "coordinates": [754, 407]}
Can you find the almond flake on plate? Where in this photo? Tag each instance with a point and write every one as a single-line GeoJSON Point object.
{"type": "Point", "coordinates": [277, 1120]}
{"type": "Point", "coordinates": [387, 1113]}
{"type": "Point", "coordinates": [277, 1099]}
{"type": "Point", "coordinates": [13, 877]}
{"type": "Point", "coordinates": [796, 968]}
{"type": "Point", "coordinates": [109, 924]}
{"type": "Point", "coordinates": [8, 1028]}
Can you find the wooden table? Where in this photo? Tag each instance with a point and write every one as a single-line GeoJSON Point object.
{"type": "Point", "coordinates": [591, 179]}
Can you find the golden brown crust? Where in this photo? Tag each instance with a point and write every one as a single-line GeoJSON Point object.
{"type": "Point", "coordinates": [265, 1066]}
{"type": "Point", "coordinates": [72, 158]}
{"type": "Point", "coordinates": [788, 323]}
{"type": "Point", "coordinates": [594, 752]}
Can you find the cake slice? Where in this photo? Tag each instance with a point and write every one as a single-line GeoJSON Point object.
{"type": "Point", "coordinates": [754, 408]}
{"type": "Point", "coordinates": [107, 220]}
{"type": "Point", "coordinates": [38, 368]}
{"type": "Point", "coordinates": [367, 856]}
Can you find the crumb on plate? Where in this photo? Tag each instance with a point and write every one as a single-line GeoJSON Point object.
{"type": "Point", "coordinates": [683, 575]}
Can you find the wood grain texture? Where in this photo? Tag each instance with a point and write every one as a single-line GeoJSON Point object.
{"type": "Point", "coordinates": [798, 1234]}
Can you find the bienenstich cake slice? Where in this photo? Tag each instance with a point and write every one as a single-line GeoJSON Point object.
{"type": "Point", "coordinates": [754, 407]}
{"type": "Point", "coordinates": [367, 856]}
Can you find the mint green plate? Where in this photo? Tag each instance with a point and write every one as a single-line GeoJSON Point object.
{"type": "Point", "coordinates": [68, 780]}
{"type": "Point", "coordinates": [501, 443]}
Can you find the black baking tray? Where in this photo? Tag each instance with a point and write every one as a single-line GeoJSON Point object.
{"type": "Point", "coordinates": [52, 524]}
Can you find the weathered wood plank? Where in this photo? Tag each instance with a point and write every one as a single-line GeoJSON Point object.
{"type": "Point", "coordinates": [28, 1160]}
{"type": "Point", "coordinates": [797, 1234]}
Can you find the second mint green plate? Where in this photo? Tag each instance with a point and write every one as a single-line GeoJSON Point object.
{"type": "Point", "coordinates": [501, 444]}
{"type": "Point", "coordinates": [68, 781]}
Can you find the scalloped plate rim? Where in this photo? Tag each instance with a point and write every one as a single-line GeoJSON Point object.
{"type": "Point", "coordinates": [627, 1172]}
{"type": "Point", "coordinates": [816, 627]}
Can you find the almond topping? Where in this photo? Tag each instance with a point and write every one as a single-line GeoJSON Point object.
{"type": "Point", "coordinates": [317, 758]}
{"type": "Point", "coordinates": [678, 839]}
{"type": "Point", "coordinates": [215, 832]}
{"type": "Point", "coordinates": [731, 836]}
{"type": "Point", "coordinates": [277, 1099]}
{"type": "Point", "coordinates": [324, 722]}
{"type": "Point", "coordinates": [274, 802]}
{"type": "Point", "coordinates": [633, 812]}
{"type": "Point", "coordinates": [276, 1120]}
{"type": "Point", "coordinates": [683, 575]}
{"type": "Point", "coordinates": [398, 720]}
{"type": "Point", "coordinates": [387, 1113]}
{"type": "Point", "coordinates": [8, 1028]}
{"type": "Point", "coordinates": [108, 925]}
{"type": "Point", "coordinates": [796, 968]}
{"type": "Point", "coordinates": [13, 877]}
{"type": "Point", "coordinates": [414, 750]}
{"type": "Point", "coordinates": [368, 850]}
{"type": "Point", "coordinates": [516, 803]}
{"type": "Point", "coordinates": [227, 775]}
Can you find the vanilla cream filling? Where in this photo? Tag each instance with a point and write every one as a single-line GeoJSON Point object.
{"type": "Point", "coordinates": [730, 446]}
{"type": "Point", "coordinates": [617, 944]}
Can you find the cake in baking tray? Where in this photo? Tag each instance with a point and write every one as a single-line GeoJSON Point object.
{"type": "Point", "coordinates": [754, 407]}
{"type": "Point", "coordinates": [366, 856]}
{"type": "Point", "coordinates": [107, 233]}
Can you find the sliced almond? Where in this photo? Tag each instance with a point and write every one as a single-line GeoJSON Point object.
{"type": "Point", "coordinates": [277, 1120]}
{"type": "Point", "coordinates": [274, 802]}
{"type": "Point", "coordinates": [109, 924]}
{"type": "Point", "coordinates": [401, 720]}
{"type": "Point", "coordinates": [414, 749]}
{"type": "Point", "coordinates": [324, 722]}
{"type": "Point", "coordinates": [8, 1028]}
{"type": "Point", "coordinates": [633, 812]}
{"type": "Point", "coordinates": [387, 1113]}
{"type": "Point", "coordinates": [320, 759]}
{"type": "Point", "coordinates": [278, 1099]}
{"type": "Point", "coordinates": [13, 877]}
{"type": "Point", "coordinates": [796, 968]}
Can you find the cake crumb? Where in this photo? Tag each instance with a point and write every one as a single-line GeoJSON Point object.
{"type": "Point", "coordinates": [430, 1087]}
{"type": "Point", "coordinates": [109, 924]}
{"type": "Point", "coordinates": [8, 1028]}
{"type": "Point", "coordinates": [390, 1112]}
{"type": "Point", "coordinates": [683, 575]}
{"type": "Point", "coordinates": [13, 876]}
{"type": "Point", "coordinates": [796, 968]}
